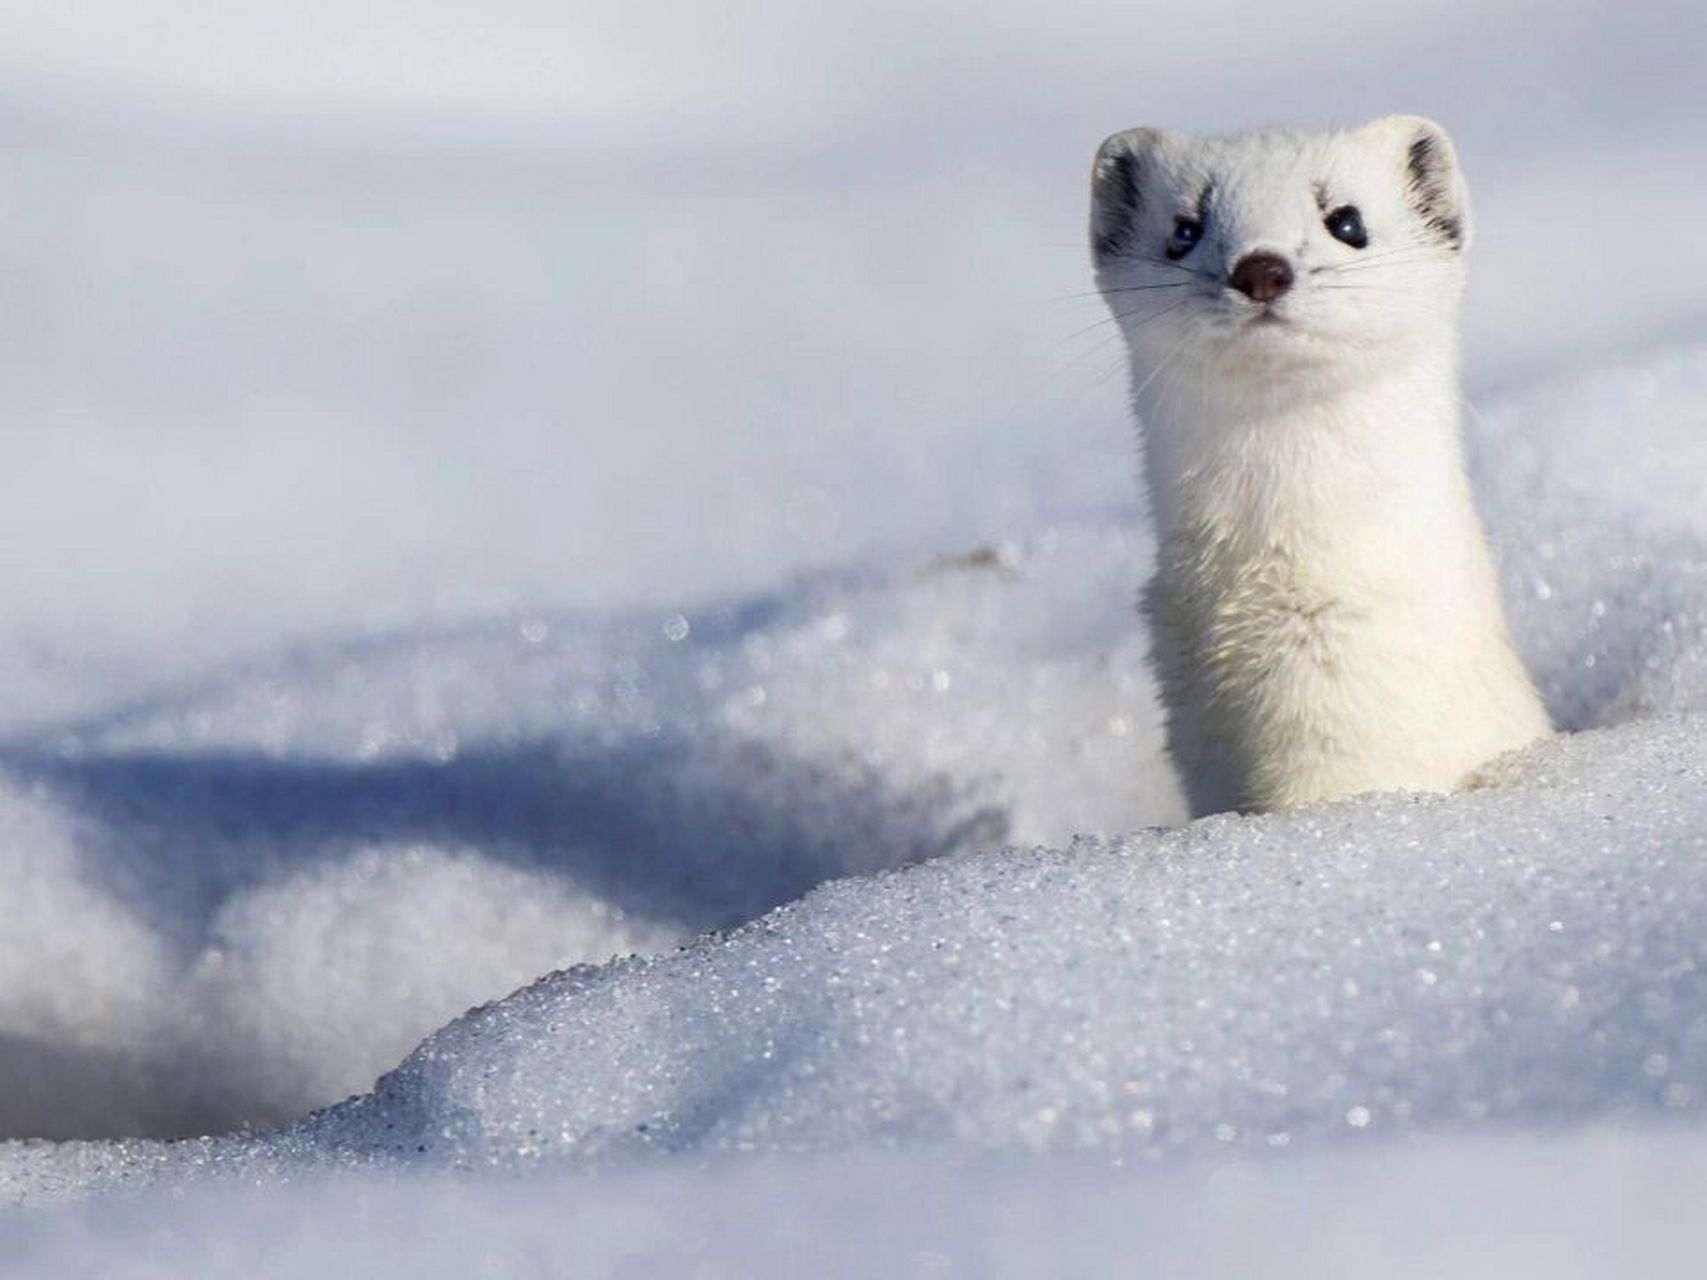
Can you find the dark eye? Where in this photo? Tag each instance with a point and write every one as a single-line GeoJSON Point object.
{"type": "Point", "coordinates": [1346, 223]}
{"type": "Point", "coordinates": [1187, 232]}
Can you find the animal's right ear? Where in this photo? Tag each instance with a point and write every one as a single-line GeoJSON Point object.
{"type": "Point", "coordinates": [1117, 188]}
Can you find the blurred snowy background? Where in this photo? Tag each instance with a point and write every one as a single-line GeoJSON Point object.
{"type": "Point", "coordinates": [489, 487]}
{"type": "Point", "coordinates": [331, 317]}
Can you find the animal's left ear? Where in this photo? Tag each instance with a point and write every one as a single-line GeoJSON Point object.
{"type": "Point", "coordinates": [1434, 184]}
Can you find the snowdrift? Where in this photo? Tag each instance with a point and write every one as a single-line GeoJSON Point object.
{"type": "Point", "coordinates": [269, 886]}
{"type": "Point", "coordinates": [1534, 954]}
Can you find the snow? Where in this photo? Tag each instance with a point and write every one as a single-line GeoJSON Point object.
{"type": "Point", "coordinates": [284, 880]}
{"type": "Point", "coordinates": [1595, 1203]}
{"type": "Point", "coordinates": [451, 595]}
{"type": "Point", "coordinates": [1248, 984]}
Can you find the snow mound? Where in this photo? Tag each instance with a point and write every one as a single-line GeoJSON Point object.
{"type": "Point", "coordinates": [250, 896]}
{"type": "Point", "coordinates": [1395, 962]}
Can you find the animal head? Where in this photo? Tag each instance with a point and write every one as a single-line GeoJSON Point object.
{"type": "Point", "coordinates": [1276, 252]}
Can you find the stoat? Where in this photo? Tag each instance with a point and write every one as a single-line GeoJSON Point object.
{"type": "Point", "coordinates": [1325, 612]}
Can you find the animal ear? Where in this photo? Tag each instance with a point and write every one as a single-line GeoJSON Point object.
{"type": "Point", "coordinates": [1117, 187]}
{"type": "Point", "coordinates": [1434, 184]}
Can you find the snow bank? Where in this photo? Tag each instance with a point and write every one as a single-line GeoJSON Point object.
{"type": "Point", "coordinates": [270, 885]}
{"type": "Point", "coordinates": [1530, 954]}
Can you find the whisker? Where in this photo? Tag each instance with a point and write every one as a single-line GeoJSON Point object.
{"type": "Point", "coordinates": [1085, 355]}
{"type": "Point", "coordinates": [1173, 353]}
{"type": "Point", "coordinates": [1141, 288]}
{"type": "Point", "coordinates": [1162, 262]}
{"type": "Point", "coordinates": [1153, 316]}
{"type": "Point", "coordinates": [1126, 315]}
{"type": "Point", "coordinates": [1172, 375]}
{"type": "Point", "coordinates": [1371, 287]}
{"type": "Point", "coordinates": [1393, 257]}
{"type": "Point", "coordinates": [1108, 373]}
{"type": "Point", "coordinates": [1391, 298]}
{"type": "Point", "coordinates": [1386, 253]}
{"type": "Point", "coordinates": [1089, 328]}
{"type": "Point", "coordinates": [1374, 266]}
{"type": "Point", "coordinates": [1060, 377]}
{"type": "Point", "coordinates": [1128, 288]}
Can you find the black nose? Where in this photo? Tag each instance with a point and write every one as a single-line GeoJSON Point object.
{"type": "Point", "coordinates": [1262, 277]}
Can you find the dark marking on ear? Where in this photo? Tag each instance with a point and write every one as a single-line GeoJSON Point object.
{"type": "Point", "coordinates": [1430, 191]}
{"type": "Point", "coordinates": [1116, 202]}
{"type": "Point", "coordinates": [1124, 173]}
{"type": "Point", "coordinates": [1118, 196]}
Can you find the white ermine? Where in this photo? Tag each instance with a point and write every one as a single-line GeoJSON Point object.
{"type": "Point", "coordinates": [1325, 612]}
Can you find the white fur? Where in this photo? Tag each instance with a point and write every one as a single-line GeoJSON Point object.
{"type": "Point", "coordinates": [1326, 614]}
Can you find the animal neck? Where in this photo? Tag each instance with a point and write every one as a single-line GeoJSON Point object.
{"type": "Point", "coordinates": [1268, 462]}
